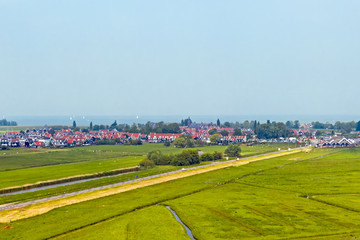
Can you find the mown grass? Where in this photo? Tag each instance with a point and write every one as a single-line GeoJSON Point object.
{"type": "Point", "coordinates": [237, 211]}
{"type": "Point", "coordinates": [25, 166]}
{"type": "Point", "coordinates": [22, 197]}
{"type": "Point", "coordinates": [32, 175]}
{"type": "Point", "coordinates": [155, 222]}
{"type": "Point", "coordinates": [18, 158]}
{"type": "Point", "coordinates": [28, 158]}
{"type": "Point", "coordinates": [261, 200]}
{"type": "Point", "coordinates": [90, 212]}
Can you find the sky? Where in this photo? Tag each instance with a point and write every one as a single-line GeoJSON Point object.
{"type": "Point", "coordinates": [183, 57]}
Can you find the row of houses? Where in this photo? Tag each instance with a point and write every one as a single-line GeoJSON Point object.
{"type": "Point", "coordinates": [66, 137]}
{"type": "Point", "coordinates": [336, 142]}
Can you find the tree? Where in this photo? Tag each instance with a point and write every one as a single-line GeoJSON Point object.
{"type": "Point", "coordinates": [184, 141]}
{"type": "Point", "coordinates": [217, 155]}
{"type": "Point", "coordinates": [133, 129]}
{"type": "Point", "coordinates": [91, 125]}
{"type": "Point", "coordinates": [74, 124]}
{"type": "Point", "coordinates": [187, 157]}
{"type": "Point", "coordinates": [214, 139]}
{"type": "Point", "coordinates": [158, 158]}
{"type": "Point", "coordinates": [296, 124]}
{"type": "Point", "coordinates": [227, 124]}
{"type": "Point", "coordinates": [114, 124]}
{"type": "Point", "coordinates": [206, 157]}
{"type": "Point", "coordinates": [146, 163]}
{"type": "Point", "coordinates": [358, 126]}
{"type": "Point", "coordinates": [212, 131]}
{"type": "Point", "coordinates": [218, 122]}
{"type": "Point", "coordinates": [224, 133]}
{"type": "Point", "coordinates": [233, 150]}
{"type": "Point", "coordinates": [289, 124]}
{"type": "Point", "coordinates": [237, 132]}
{"type": "Point", "coordinates": [186, 122]}
{"type": "Point", "coordinates": [180, 142]}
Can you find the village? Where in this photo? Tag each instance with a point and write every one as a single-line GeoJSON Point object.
{"type": "Point", "coordinates": [48, 138]}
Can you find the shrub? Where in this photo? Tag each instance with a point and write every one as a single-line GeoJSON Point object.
{"type": "Point", "coordinates": [233, 150]}
{"type": "Point", "coordinates": [207, 157]}
{"type": "Point", "coordinates": [180, 142]}
{"type": "Point", "coordinates": [217, 156]}
{"type": "Point", "coordinates": [187, 157]}
{"type": "Point", "coordinates": [146, 163]}
{"type": "Point", "coordinates": [135, 142]}
{"type": "Point", "coordinates": [184, 141]}
{"type": "Point", "coordinates": [167, 144]}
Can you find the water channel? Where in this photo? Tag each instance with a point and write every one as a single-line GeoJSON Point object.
{"type": "Point", "coordinates": [188, 231]}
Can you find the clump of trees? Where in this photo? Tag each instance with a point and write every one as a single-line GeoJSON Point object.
{"type": "Point", "coordinates": [344, 127]}
{"type": "Point", "coordinates": [146, 163]}
{"type": "Point", "coordinates": [186, 157]}
{"type": "Point", "coordinates": [273, 130]}
{"type": "Point", "coordinates": [133, 142]}
{"type": "Point", "coordinates": [210, 156]}
{"type": "Point", "coordinates": [214, 139]}
{"type": "Point", "coordinates": [4, 122]}
{"type": "Point", "coordinates": [233, 150]}
{"type": "Point", "coordinates": [106, 141]}
{"type": "Point", "coordinates": [212, 131]}
{"type": "Point", "coordinates": [184, 141]}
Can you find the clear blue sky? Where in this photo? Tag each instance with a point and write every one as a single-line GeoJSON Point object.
{"type": "Point", "coordinates": [179, 57]}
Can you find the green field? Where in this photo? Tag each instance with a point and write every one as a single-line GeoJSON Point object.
{"type": "Point", "coordinates": [32, 175]}
{"type": "Point", "coordinates": [262, 200]}
{"type": "Point", "coordinates": [27, 166]}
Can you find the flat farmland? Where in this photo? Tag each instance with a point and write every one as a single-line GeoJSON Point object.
{"type": "Point", "coordinates": [20, 177]}
{"type": "Point", "coordinates": [20, 166]}
{"type": "Point", "coordinates": [250, 201]}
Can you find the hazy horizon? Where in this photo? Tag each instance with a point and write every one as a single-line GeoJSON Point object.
{"type": "Point", "coordinates": [82, 120]}
{"type": "Point", "coordinates": [179, 58]}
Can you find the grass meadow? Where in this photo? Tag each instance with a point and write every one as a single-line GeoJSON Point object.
{"type": "Point", "coordinates": [20, 166]}
{"type": "Point", "coordinates": [305, 195]}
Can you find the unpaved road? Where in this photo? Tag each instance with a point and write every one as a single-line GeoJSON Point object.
{"type": "Point", "coordinates": [31, 208]}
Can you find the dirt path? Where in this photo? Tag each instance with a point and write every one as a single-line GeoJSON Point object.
{"type": "Point", "coordinates": [12, 212]}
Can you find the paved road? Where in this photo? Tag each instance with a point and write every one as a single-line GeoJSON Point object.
{"type": "Point", "coordinates": [24, 204]}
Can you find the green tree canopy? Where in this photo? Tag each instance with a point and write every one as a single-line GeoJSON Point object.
{"type": "Point", "coordinates": [212, 131]}
{"type": "Point", "coordinates": [237, 132]}
{"type": "Point", "coordinates": [358, 126]}
{"type": "Point", "coordinates": [233, 150]}
{"type": "Point", "coordinates": [214, 139]}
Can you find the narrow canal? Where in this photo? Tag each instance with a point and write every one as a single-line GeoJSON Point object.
{"type": "Point", "coordinates": [188, 231]}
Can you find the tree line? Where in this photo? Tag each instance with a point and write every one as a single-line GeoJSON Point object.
{"type": "Point", "coordinates": [187, 157]}
{"type": "Point", "coordinates": [4, 122]}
